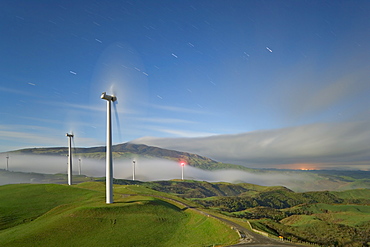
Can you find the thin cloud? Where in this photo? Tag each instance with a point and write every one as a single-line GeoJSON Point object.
{"type": "Point", "coordinates": [92, 108]}
{"type": "Point", "coordinates": [37, 136]}
{"type": "Point", "coordinates": [42, 120]}
{"type": "Point", "coordinates": [27, 138]}
{"type": "Point", "coordinates": [338, 92]}
{"type": "Point", "coordinates": [166, 120]}
{"type": "Point", "coordinates": [14, 91]}
{"type": "Point", "coordinates": [184, 133]}
{"type": "Point", "coordinates": [177, 109]}
{"type": "Point", "coordinates": [306, 93]}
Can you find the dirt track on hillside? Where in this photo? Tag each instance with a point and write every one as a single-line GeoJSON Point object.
{"type": "Point", "coordinates": [247, 237]}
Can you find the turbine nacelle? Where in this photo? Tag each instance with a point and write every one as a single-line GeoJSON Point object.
{"type": "Point", "coordinates": [69, 135]}
{"type": "Point", "coordinates": [108, 97]}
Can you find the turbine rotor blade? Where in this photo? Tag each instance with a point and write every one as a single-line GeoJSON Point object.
{"type": "Point", "coordinates": [117, 121]}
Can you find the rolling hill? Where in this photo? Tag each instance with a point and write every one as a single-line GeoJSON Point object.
{"type": "Point", "coordinates": [155, 213]}
{"type": "Point", "coordinates": [59, 215]}
{"type": "Point", "coordinates": [327, 218]}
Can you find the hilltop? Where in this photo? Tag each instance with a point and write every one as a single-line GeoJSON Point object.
{"type": "Point", "coordinates": [78, 216]}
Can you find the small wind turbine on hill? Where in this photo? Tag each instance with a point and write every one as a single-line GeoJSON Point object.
{"type": "Point", "coordinates": [109, 161]}
{"type": "Point", "coordinates": [7, 162]}
{"type": "Point", "coordinates": [70, 136]}
{"type": "Point", "coordinates": [182, 163]}
{"type": "Point", "coordinates": [79, 166]}
{"type": "Point", "coordinates": [133, 169]}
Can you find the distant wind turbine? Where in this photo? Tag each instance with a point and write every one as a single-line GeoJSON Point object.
{"type": "Point", "coordinates": [182, 170]}
{"type": "Point", "coordinates": [70, 136]}
{"type": "Point", "coordinates": [133, 169]}
{"type": "Point", "coordinates": [109, 161]}
{"type": "Point", "coordinates": [7, 162]}
{"type": "Point", "coordinates": [79, 166]}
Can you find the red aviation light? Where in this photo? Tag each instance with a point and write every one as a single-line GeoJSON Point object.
{"type": "Point", "coordinates": [182, 163]}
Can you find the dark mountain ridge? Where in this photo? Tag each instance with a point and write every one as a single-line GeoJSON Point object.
{"type": "Point", "coordinates": [130, 150]}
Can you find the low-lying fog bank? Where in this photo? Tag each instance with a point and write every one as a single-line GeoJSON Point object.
{"type": "Point", "coordinates": [160, 169]}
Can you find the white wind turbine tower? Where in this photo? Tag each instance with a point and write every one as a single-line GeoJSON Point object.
{"type": "Point", "coordinates": [133, 169]}
{"type": "Point", "coordinates": [70, 136]}
{"type": "Point", "coordinates": [109, 161]}
{"type": "Point", "coordinates": [79, 166]}
{"type": "Point", "coordinates": [7, 162]}
{"type": "Point", "coordinates": [182, 170]}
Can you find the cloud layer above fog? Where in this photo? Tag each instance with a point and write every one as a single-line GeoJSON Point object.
{"type": "Point", "coordinates": [319, 145]}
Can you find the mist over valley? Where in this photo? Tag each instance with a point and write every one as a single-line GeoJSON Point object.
{"type": "Point", "coordinates": [155, 164]}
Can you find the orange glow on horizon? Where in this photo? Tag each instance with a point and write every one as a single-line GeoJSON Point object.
{"type": "Point", "coordinates": [300, 166]}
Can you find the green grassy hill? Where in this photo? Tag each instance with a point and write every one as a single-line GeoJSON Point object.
{"type": "Point", "coordinates": [322, 217]}
{"type": "Point", "coordinates": [202, 189]}
{"type": "Point", "coordinates": [11, 177]}
{"type": "Point", "coordinates": [45, 214]}
{"type": "Point", "coordinates": [60, 215]}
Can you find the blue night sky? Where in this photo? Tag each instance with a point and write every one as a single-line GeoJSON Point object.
{"type": "Point", "coordinates": [285, 82]}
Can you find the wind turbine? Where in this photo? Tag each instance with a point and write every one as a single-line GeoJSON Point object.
{"type": "Point", "coordinates": [133, 169]}
{"type": "Point", "coordinates": [182, 170]}
{"type": "Point", "coordinates": [70, 136]}
{"type": "Point", "coordinates": [79, 166]}
{"type": "Point", "coordinates": [7, 162]}
{"type": "Point", "coordinates": [109, 161]}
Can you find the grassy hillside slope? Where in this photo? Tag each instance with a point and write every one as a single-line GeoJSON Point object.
{"type": "Point", "coordinates": [323, 217]}
{"type": "Point", "coordinates": [60, 215]}
{"type": "Point", "coordinates": [12, 177]}
{"type": "Point", "coordinates": [21, 203]}
{"type": "Point", "coordinates": [33, 213]}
